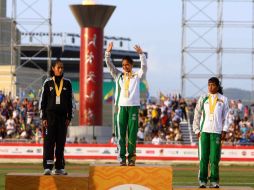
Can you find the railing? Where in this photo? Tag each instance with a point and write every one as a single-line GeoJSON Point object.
{"type": "Point", "coordinates": [31, 141]}
{"type": "Point", "coordinates": [190, 130]}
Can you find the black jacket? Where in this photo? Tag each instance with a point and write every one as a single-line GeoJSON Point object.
{"type": "Point", "coordinates": [48, 99]}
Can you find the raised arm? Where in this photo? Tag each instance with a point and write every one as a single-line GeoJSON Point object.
{"type": "Point", "coordinates": [142, 56]}
{"type": "Point", "coordinates": [112, 69]}
{"type": "Point", "coordinates": [138, 49]}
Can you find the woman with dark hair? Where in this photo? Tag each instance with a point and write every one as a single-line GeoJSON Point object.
{"type": "Point", "coordinates": [56, 113]}
{"type": "Point", "coordinates": [210, 127]}
{"type": "Point", "coordinates": [127, 103]}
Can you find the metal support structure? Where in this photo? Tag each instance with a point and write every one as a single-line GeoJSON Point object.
{"type": "Point", "coordinates": [73, 39]}
{"type": "Point", "coordinates": [14, 51]}
{"type": "Point", "coordinates": [28, 17]}
{"type": "Point", "coordinates": [219, 51]}
{"type": "Point", "coordinates": [205, 44]}
{"type": "Point", "coordinates": [50, 35]}
{"type": "Point", "coordinates": [252, 57]}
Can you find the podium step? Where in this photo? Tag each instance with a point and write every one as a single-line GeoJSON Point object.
{"type": "Point", "coordinates": [112, 177]}
{"type": "Point", "coordinates": [29, 181]}
{"type": "Point", "coordinates": [221, 188]}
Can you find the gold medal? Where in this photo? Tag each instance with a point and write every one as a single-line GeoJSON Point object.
{"type": "Point", "coordinates": [127, 77]}
{"type": "Point", "coordinates": [212, 107]}
{"type": "Point", "coordinates": [57, 99]}
{"type": "Point", "coordinates": [211, 117]}
{"type": "Point", "coordinates": [58, 90]}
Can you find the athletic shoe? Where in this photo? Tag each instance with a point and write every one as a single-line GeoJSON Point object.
{"type": "Point", "coordinates": [214, 185]}
{"type": "Point", "coordinates": [123, 163]}
{"type": "Point", "coordinates": [202, 185]}
{"type": "Point", "coordinates": [131, 163]}
{"type": "Point", "coordinates": [47, 172]}
{"type": "Point", "coordinates": [60, 172]}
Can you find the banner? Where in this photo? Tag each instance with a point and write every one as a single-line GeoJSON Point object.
{"type": "Point", "coordinates": [144, 152]}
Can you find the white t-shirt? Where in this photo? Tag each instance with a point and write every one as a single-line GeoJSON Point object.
{"type": "Point", "coordinates": [156, 140]}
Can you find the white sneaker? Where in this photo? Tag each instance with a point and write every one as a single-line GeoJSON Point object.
{"type": "Point", "coordinates": [60, 172]}
{"type": "Point", "coordinates": [47, 172]}
{"type": "Point", "coordinates": [202, 185]}
{"type": "Point", "coordinates": [214, 185]}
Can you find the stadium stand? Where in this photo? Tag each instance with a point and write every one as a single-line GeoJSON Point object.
{"type": "Point", "coordinates": [166, 122]}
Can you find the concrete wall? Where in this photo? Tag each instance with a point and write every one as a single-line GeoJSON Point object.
{"type": "Point", "coordinates": [18, 83]}
{"type": "Point", "coordinates": [3, 8]}
{"type": "Point", "coordinates": [5, 41]}
{"type": "Point", "coordinates": [102, 133]}
{"type": "Point", "coordinates": [7, 82]}
{"type": "Point", "coordinates": [32, 76]}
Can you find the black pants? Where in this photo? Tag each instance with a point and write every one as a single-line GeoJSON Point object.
{"type": "Point", "coordinates": [54, 141]}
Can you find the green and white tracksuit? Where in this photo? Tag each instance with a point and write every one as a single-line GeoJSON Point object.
{"type": "Point", "coordinates": [210, 125]}
{"type": "Point", "coordinates": [126, 108]}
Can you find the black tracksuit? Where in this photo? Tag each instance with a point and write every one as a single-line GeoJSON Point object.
{"type": "Point", "coordinates": [56, 116]}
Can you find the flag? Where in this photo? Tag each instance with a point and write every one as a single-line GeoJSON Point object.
{"type": "Point", "coordinates": [162, 97]}
{"type": "Point", "coordinates": [31, 95]}
{"type": "Point", "coordinates": [147, 89]}
{"type": "Point", "coordinates": [109, 96]}
{"type": "Point", "coordinates": [146, 84]}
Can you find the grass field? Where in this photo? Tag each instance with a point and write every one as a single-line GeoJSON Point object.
{"type": "Point", "coordinates": [184, 175]}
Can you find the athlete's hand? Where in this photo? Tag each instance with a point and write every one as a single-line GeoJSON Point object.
{"type": "Point", "coordinates": [67, 122]}
{"type": "Point", "coordinates": [138, 49]}
{"type": "Point", "coordinates": [198, 135]}
{"type": "Point", "coordinates": [45, 123]}
{"type": "Point", "coordinates": [110, 47]}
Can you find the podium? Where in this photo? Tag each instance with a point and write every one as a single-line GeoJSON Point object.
{"type": "Point", "coordinates": [29, 181]}
{"type": "Point", "coordinates": [101, 177]}
{"type": "Point", "coordinates": [130, 177]}
{"type": "Point", "coordinates": [221, 188]}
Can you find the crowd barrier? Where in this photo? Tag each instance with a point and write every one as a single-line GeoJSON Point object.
{"type": "Point", "coordinates": [108, 151]}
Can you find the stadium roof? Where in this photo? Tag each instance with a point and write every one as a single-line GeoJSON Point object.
{"type": "Point", "coordinates": [69, 54]}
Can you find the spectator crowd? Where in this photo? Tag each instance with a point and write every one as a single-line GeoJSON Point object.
{"type": "Point", "coordinates": [159, 122]}
{"type": "Point", "coordinates": [240, 120]}
{"type": "Point", "coordinates": [19, 119]}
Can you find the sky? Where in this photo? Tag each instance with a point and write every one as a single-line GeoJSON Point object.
{"type": "Point", "coordinates": [156, 27]}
